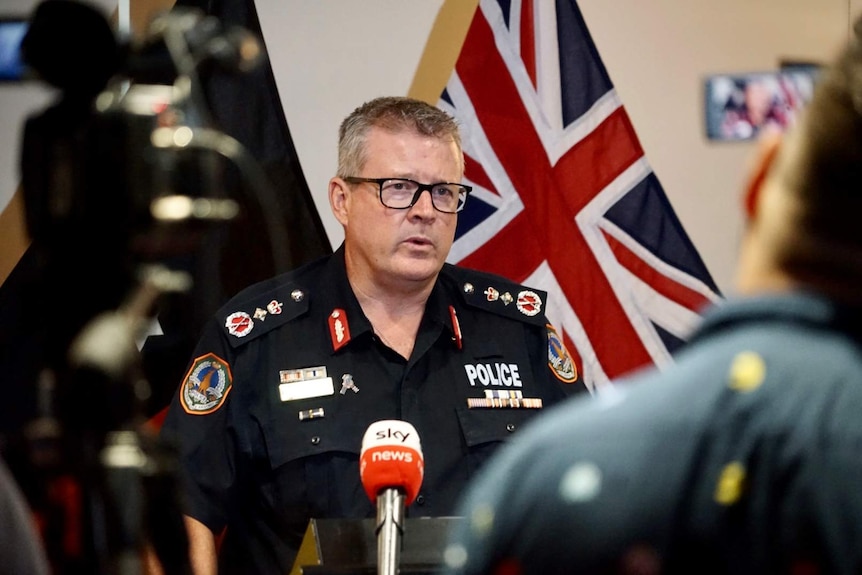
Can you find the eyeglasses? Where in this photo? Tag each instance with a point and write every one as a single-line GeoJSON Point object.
{"type": "Point", "coordinates": [400, 193]}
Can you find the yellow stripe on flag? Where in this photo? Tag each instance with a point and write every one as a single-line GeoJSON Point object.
{"type": "Point", "coordinates": [442, 49]}
{"type": "Point", "coordinates": [13, 234]}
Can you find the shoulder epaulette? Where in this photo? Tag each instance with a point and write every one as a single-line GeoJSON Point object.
{"type": "Point", "coordinates": [499, 295]}
{"type": "Point", "coordinates": [253, 314]}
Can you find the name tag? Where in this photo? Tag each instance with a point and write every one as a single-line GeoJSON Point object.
{"type": "Point", "coordinates": [306, 389]}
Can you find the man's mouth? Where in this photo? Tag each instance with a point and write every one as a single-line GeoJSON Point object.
{"type": "Point", "coordinates": [418, 241]}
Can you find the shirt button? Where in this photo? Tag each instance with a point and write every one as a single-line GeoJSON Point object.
{"type": "Point", "coordinates": [420, 500]}
{"type": "Point", "coordinates": [510, 427]}
{"type": "Point", "coordinates": [315, 440]}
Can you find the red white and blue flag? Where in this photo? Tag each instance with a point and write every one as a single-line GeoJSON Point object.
{"type": "Point", "coordinates": [564, 199]}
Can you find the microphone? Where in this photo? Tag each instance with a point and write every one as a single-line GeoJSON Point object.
{"type": "Point", "coordinates": [391, 467]}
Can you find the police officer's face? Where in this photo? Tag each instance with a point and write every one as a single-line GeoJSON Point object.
{"type": "Point", "coordinates": [408, 244]}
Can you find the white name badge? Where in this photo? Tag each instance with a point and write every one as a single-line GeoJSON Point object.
{"type": "Point", "coordinates": [306, 389]}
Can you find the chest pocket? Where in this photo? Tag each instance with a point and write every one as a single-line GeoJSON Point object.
{"type": "Point", "coordinates": [320, 430]}
{"type": "Point", "coordinates": [314, 462]}
{"type": "Point", "coordinates": [484, 430]}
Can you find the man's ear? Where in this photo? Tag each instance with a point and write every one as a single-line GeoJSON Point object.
{"type": "Point", "coordinates": [338, 199]}
{"type": "Point", "coordinates": [764, 156]}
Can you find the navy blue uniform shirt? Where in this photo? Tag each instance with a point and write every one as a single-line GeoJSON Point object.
{"type": "Point", "coordinates": [744, 457]}
{"type": "Point", "coordinates": [289, 374]}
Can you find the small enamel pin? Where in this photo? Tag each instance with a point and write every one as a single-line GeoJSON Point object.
{"type": "Point", "coordinates": [347, 383]}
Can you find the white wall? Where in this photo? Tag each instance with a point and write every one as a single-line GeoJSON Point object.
{"type": "Point", "coordinates": [330, 55]}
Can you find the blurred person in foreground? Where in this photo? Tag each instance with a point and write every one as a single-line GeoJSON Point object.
{"type": "Point", "coordinates": [746, 455]}
{"type": "Point", "coordinates": [291, 372]}
{"type": "Point", "coordinates": [21, 549]}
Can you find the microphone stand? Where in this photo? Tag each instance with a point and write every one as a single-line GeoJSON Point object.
{"type": "Point", "coordinates": [390, 528]}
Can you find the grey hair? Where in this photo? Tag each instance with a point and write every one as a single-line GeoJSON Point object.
{"type": "Point", "coordinates": [395, 114]}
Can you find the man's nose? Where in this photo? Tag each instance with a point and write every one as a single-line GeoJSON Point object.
{"type": "Point", "coordinates": [421, 203]}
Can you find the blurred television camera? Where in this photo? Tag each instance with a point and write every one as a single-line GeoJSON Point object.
{"type": "Point", "coordinates": [122, 177]}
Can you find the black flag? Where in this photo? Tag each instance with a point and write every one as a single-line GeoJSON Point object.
{"type": "Point", "coordinates": [247, 107]}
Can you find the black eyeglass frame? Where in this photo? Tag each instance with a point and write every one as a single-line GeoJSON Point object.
{"type": "Point", "coordinates": [421, 188]}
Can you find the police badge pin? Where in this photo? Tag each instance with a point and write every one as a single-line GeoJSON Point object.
{"type": "Point", "coordinates": [347, 383]}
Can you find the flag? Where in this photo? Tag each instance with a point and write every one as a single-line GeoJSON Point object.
{"type": "Point", "coordinates": [247, 107]}
{"type": "Point", "coordinates": [563, 197]}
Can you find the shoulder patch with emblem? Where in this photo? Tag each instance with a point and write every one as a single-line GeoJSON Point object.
{"type": "Point", "coordinates": [559, 360]}
{"type": "Point", "coordinates": [206, 385]}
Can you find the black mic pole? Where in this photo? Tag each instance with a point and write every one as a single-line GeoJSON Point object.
{"type": "Point", "coordinates": [390, 528]}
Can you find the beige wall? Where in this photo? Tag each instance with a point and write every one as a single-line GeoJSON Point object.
{"type": "Point", "coordinates": [657, 54]}
{"type": "Point", "coordinates": [329, 55]}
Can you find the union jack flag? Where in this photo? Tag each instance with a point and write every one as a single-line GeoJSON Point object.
{"type": "Point", "coordinates": [564, 198]}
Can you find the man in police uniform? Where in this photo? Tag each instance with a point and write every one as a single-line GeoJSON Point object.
{"type": "Point", "coordinates": [292, 371]}
{"type": "Point", "coordinates": [745, 457]}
